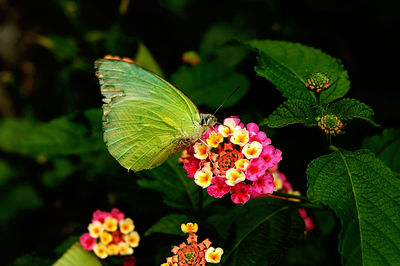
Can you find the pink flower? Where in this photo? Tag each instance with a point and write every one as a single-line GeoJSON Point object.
{"type": "Point", "coordinates": [264, 184]}
{"type": "Point", "coordinates": [256, 168]}
{"type": "Point", "coordinates": [303, 212]}
{"type": "Point", "coordinates": [87, 241]}
{"type": "Point", "coordinates": [100, 216]}
{"type": "Point", "coordinates": [256, 135]}
{"type": "Point", "coordinates": [117, 214]}
{"type": "Point", "coordinates": [271, 155]}
{"type": "Point", "coordinates": [191, 166]}
{"type": "Point", "coordinates": [218, 188]}
{"type": "Point", "coordinates": [309, 223]}
{"type": "Point", "coordinates": [240, 193]}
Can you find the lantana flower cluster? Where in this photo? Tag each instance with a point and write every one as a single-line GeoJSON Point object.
{"type": "Point", "coordinates": [283, 185]}
{"type": "Point", "coordinates": [192, 252]}
{"type": "Point", "coordinates": [110, 234]}
{"type": "Point", "coordinates": [232, 158]}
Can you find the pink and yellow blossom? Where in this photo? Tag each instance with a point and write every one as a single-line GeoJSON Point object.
{"type": "Point", "coordinates": [124, 248]}
{"type": "Point", "coordinates": [213, 255]}
{"type": "Point", "coordinates": [105, 238]}
{"type": "Point", "coordinates": [240, 137]}
{"type": "Point", "coordinates": [133, 239]}
{"type": "Point", "coordinates": [234, 176]}
{"type": "Point", "coordinates": [203, 178]}
{"type": "Point", "coordinates": [189, 228]}
{"type": "Point", "coordinates": [112, 249]}
{"type": "Point", "coordinates": [126, 225]}
{"type": "Point", "coordinates": [110, 224]}
{"type": "Point", "coordinates": [214, 139]}
{"type": "Point", "coordinates": [235, 154]}
{"type": "Point", "coordinates": [95, 229]}
{"type": "Point", "coordinates": [252, 150]}
{"type": "Point", "coordinates": [100, 250]}
{"type": "Point", "coordinates": [200, 151]}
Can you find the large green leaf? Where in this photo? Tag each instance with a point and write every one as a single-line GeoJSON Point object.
{"type": "Point", "coordinates": [288, 65]}
{"type": "Point", "coordinates": [291, 112]}
{"type": "Point", "coordinates": [258, 232]}
{"type": "Point", "coordinates": [77, 256]}
{"type": "Point", "coordinates": [210, 84]}
{"type": "Point", "coordinates": [176, 188]}
{"type": "Point", "coordinates": [73, 134]}
{"type": "Point", "coordinates": [366, 197]}
{"type": "Point", "coordinates": [386, 147]}
{"type": "Point", "coordinates": [348, 108]}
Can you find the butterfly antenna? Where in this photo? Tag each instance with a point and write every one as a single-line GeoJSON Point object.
{"type": "Point", "coordinates": [224, 101]}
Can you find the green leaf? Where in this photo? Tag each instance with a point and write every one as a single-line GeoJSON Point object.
{"type": "Point", "coordinates": [76, 255]}
{"type": "Point", "coordinates": [259, 231]}
{"type": "Point", "coordinates": [287, 65]}
{"type": "Point", "coordinates": [61, 136]}
{"type": "Point", "coordinates": [176, 188]}
{"type": "Point", "coordinates": [291, 112]}
{"type": "Point", "coordinates": [17, 198]}
{"type": "Point", "coordinates": [348, 108]}
{"type": "Point", "coordinates": [210, 84]}
{"type": "Point", "coordinates": [366, 197]}
{"type": "Point", "coordinates": [386, 147]}
{"type": "Point", "coordinates": [146, 60]}
{"type": "Point", "coordinates": [170, 224]}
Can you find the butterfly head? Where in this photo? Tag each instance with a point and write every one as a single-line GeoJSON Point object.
{"type": "Point", "coordinates": [207, 120]}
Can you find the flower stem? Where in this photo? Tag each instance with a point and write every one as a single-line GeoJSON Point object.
{"type": "Point", "coordinates": [286, 196]}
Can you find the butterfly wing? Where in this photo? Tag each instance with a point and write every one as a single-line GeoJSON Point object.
{"type": "Point", "coordinates": [146, 119]}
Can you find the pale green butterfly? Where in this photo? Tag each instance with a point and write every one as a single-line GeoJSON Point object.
{"type": "Point", "coordinates": [146, 120]}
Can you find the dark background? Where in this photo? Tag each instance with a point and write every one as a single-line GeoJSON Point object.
{"type": "Point", "coordinates": [48, 83]}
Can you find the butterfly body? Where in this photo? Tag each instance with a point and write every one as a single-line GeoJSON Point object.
{"type": "Point", "coordinates": [146, 120]}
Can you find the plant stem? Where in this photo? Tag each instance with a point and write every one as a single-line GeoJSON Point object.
{"type": "Point", "coordinates": [285, 195]}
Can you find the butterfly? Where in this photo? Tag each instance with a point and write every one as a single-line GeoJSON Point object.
{"type": "Point", "coordinates": [146, 120]}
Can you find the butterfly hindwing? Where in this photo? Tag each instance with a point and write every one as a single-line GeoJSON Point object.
{"type": "Point", "coordinates": [145, 118]}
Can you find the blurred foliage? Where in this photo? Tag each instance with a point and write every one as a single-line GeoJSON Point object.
{"type": "Point", "coordinates": [54, 167]}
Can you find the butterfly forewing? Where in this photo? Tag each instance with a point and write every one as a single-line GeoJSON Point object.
{"type": "Point", "coordinates": [145, 118]}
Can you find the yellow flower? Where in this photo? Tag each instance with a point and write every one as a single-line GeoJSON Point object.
{"type": "Point", "coordinates": [225, 131]}
{"type": "Point", "coordinates": [277, 181]}
{"type": "Point", "coordinates": [133, 239]}
{"type": "Point", "coordinates": [214, 139]}
{"type": "Point", "coordinates": [125, 249]}
{"type": "Point", "coordinates": [105, 238]}
{"type": "Point", "coordinates": [240, 137]}
{"type": "Point", "coordinates": [95, 229]}
{"type": "Point", "coordinates": [189, 228]}
{"type": "Point", "coordinates": [234, 176]}
{"type": "Point", "coordinates": [203, 177]}
{"type": "Point", "coordinates": [126, 225]}
{"type": "Point", "coordinates": [200, 151]}
{"type": "Point", "coordinates": [111, 224]}
{"type": "Point", "coordinates": [252, 150]}
{"type": "Point", "coordinates": [100, 250]}
{"type": "Point", "coordinates": [213, 255]}
{"type": "Point", "coordinates": [112, 249]}
{"type": "Point", "coordinates": [242, 164]}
